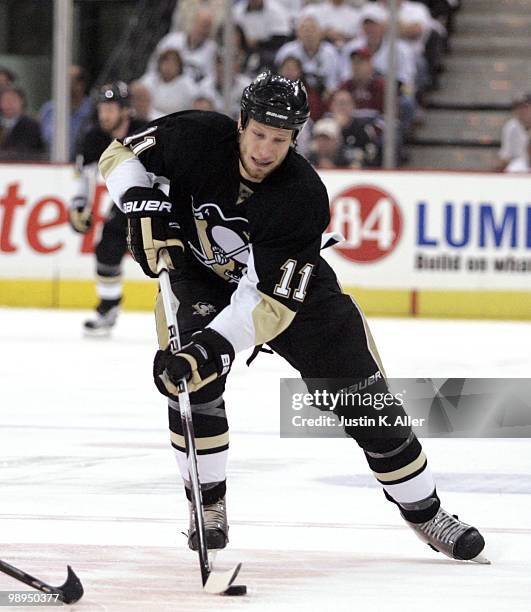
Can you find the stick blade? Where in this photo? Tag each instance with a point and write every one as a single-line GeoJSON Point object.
{"type": "Point", "coordinates": [72, 589]}
{"type": "Point", "coordinates": [219, 582]}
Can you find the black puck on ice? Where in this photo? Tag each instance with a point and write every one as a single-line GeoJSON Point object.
{"type": "Point", "coordinates": [236, 589]}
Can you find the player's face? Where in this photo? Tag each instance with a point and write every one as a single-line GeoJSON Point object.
{"type": "Point", "coordinates": [262, 149]}
{"type": "Point", "coordinates": [110, 116]}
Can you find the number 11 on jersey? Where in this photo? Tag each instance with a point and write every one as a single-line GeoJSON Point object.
{"type": "Point", "coordinates": [283, 288]}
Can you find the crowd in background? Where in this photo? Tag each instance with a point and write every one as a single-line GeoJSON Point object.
{"type": "Point", "coordinates": [339, 48]}
{"type": "Point", "coordinates": [515, 150]}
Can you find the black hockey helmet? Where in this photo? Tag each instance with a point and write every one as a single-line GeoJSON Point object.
{"type": "Point", "coordinates": [114, 92]}
{"type": "Point", "coordinates": [274, 100]}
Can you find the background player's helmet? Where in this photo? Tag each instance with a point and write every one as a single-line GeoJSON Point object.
{"type": "Point", "coordinates": [276, 101]}
{"type": "Point", "coordinates": [114, 92]}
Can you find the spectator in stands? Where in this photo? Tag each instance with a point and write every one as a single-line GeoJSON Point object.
{"type": "Point", "coordinates": [443, 11]}
{"type": "Point", "coordinates": [185, 11]}
{"type": "Point", "coordinates": [523, 163]}
{"type": "Point", "coordinates": [374, 25]}
{"type": "Point", "coordinates": [326, 149]}
{"type": "Point", "coordinates": [20, 135]}
{"type": "Point", "coordinates": [203, 103]}
{"type": "Point", "coordinates": [515, 132]}
{"type": "Point", "coordinates": [195, 45]}
{"type": "Point", "coordinates": [7, 77]}
{"type": "Point", "coordinates": [338, 19]}
{"type": "Point", "coordinates": [366, 86]}
{"type": "Point", "coordinates": [141, 105]}
{"type": "Point", "coordinates": [81, 110]}
{"type": "Point", "coordinates": [249, 59]}
{"type": "Point", "coordinates": [415, 27]}
{"type": "Point", "coordinates": [212, 88]}
{"type": "Point", "coordinates": [291, 68]}
{"type": "Point", "coordinates": [265, 25]}
{"type": "Point", "coordinates": [373, 37]}
{"type": "Point", "coordinates": [171, 90]}
{"type": "Point", "coordinates": [414, 23]}
{"type": "Point", "coordinates": [292, 9]}
{"type": "Point", "coordinates": [361, 135]}
{"type": "Point", "coordinates": [320, 60]}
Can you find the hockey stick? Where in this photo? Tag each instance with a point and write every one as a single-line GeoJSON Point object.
{"type": "Point", "coordinates": [213, 581]}
{"type": "Point", "coordinates": [69, 592]}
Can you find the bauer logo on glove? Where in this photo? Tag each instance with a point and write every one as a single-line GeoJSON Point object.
{"type": "Point", "coordinates": [135, 206]}
{"type": "Point", "coordinates": [151, 228]}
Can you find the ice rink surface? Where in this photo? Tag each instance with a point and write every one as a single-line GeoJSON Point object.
{"type": "Point", "coordinates": [89, 479]}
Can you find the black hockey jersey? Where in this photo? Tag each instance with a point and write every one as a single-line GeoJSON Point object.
{"type": "Point", "coordinates": [97, 140]}
{"type": "Point", "coordinates": [265, 237]}
{"type": "Point", "coordinates": [94, 142]}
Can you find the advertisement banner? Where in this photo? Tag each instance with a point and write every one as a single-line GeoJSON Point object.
{"type": "Point", "coordinates": [431, 230]}
{"type": "Point", "coordinates": [405, 232]}
{"type": "Point", "coordinates": [36, 241]}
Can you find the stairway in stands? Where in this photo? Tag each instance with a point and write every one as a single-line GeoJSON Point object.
{"type": "Point", "coordinates": [489, 64]}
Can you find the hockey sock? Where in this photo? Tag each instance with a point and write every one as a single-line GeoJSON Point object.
{"type": "Point", "coordinates": [212, 442]}
{"type": "Point", "coordinates": [109, 284]}
{"type": "Point", "coordinates": [401, 467]}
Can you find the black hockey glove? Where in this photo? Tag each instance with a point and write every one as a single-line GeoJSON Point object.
{"type": "Point", "coordinates": [150, 228]}
{"type": "Point", "coordinates": [208, 356]}
{"type": "Point", "coordinates": [80, 215]}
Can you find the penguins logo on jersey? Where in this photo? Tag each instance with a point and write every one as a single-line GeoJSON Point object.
{"type": "Point", "coordinates": [203, 309]}
{"type": "Point", "coordinates": [223, 242]}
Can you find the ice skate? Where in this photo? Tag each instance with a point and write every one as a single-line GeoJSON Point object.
{"type": "Point", "coordinates": [216, 526]}
{"type": "Point", "coordinates": [447, 534]}
{"type": "Point", "coordinates": [104, 319]}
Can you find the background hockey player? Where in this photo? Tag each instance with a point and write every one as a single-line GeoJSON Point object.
{"type": "Point", "coordinates": [114, 121]}
{"type": "Point", "coordinates": [243, 224]}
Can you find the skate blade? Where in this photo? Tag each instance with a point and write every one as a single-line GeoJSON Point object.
{"type": "Point", "coordinates": [481, 559]}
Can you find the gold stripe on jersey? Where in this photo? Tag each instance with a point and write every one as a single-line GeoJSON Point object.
{"type": "Point", "coordinates": [371, 344]}
{"type": "Point", "coordinates": [270, 318]}
{"type": "Point", "coordinates": [113, 156]}
{"type": "Point", "coordinates": [403, 472]}
{"type": "Point", "coordinates": [206, 443]}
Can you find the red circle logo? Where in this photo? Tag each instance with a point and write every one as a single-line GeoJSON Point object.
{"type": "Point", "coordinates": [369, 219]}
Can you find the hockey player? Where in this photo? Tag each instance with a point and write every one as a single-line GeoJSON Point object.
{"type": "Point", "coordinates": [114, 121]}
{"type": "Point", "coordinates": [243, 225]}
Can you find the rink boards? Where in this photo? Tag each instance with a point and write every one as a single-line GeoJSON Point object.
{"type": "Point", "coordinates": [442, 244]}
